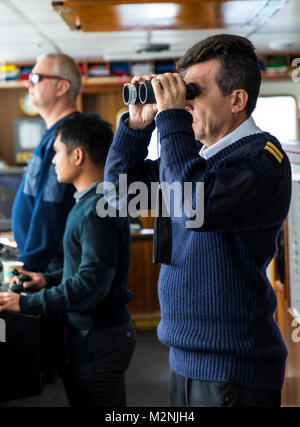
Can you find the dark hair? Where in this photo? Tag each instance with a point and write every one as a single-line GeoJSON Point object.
{"type": "Point", "coordinates": [89, 131]}
{"type": "Point", "coordinates": [239, 65]}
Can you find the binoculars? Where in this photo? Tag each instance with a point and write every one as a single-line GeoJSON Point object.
{"type": "Point", "coordinates": [134, 93]}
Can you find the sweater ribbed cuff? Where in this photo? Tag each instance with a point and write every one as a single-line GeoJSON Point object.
{"type": "Point", "coordinates": [129, 140]}
{"type": "Point", "coordinates": [174, 121]}
{"type": "Point", "coordinates": [53, 278]}
{"type": "Point", "coordinates": [31, 303]}
{"type": "Point", "coordinates": [177, 135]}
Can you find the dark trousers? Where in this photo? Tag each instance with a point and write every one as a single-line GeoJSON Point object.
{"type": "Point", "coordinates": [188, 392]}
{"type": "Point", "coordinates": [97, 361]}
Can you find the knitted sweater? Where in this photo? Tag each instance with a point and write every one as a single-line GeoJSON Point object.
{"type": "Point", "coordinates": [92, 288]}
{"type": "Point", "coordinates": [41, 208]}
{"type": "Point", "coordinates": [217, 305]}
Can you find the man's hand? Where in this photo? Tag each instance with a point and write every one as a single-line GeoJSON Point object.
{"type": "Point", "coordinates": [36, 283]}
{"type": "Point", "coordinates": [169, 90]}
{"type": "Point", "coordinates": [141, 116]}
{"type": "Point", "coordinates": [9, 301]}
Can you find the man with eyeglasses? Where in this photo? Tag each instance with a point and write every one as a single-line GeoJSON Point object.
{"type": "Point", "coordinates": [42, 204]}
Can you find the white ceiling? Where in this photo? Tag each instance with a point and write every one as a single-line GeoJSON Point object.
{"type": "Point", "coordinates": [29, 28]}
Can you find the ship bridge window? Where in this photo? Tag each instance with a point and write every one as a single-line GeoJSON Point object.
{"type": "Point", "coordinates": [274, 114]}
{"type": "Point", "coordinates": [278, 116]}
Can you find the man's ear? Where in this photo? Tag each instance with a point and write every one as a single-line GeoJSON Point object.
{"type": "Point", "coordinates": [78, 156]}
{"type": "Point", "coordinates": [239, 100]}
{"type": "Point", "coordinates": [62, 87]}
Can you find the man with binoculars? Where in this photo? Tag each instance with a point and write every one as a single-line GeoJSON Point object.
{"type": "Point", "coordinates": [217, 304]}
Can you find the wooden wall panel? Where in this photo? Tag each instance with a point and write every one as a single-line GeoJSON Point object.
{"type": "Point", "coordinates": [291, 388]}
{"type": "Point", "coordinates": [142, 281]}
{"type": "Point", "coordinates": [9, 110]}
{"type": "Point", "coordinates": [105, 104]}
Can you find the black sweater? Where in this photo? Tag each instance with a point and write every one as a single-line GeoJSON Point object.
{"type": "Point", "coordinates": [92, 287]}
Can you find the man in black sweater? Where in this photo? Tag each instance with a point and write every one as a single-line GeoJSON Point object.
{"type": "Point", "coordinates": [91, 289]}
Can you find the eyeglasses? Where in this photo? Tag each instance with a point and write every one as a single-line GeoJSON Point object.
{"type": "Point", "coordinates": [34, 78]}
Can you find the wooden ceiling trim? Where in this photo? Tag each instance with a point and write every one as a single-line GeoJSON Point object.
{"type": "Point", "coordinates": [116, 2]}
{"type": "Point", "coordinates": [122, 15]}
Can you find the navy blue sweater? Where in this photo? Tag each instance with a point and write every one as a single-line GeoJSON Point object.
{"type": "Point", "coordinates": [41, 208]}
{"type": "Point", "coordinates": [91, 290]}
{"type": "Point", "coordinates": [217, 305]}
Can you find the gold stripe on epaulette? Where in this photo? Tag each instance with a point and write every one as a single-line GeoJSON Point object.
{"type": "Point", "coordinates": [273, 153]}
{"type": "Point", "coordinates": [270, 144]}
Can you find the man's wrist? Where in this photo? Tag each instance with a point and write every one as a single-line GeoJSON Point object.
{"type": "Point", "coordinates": [140, 126]}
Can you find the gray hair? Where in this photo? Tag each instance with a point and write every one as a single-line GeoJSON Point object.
{"type": "Point", "coordinates": [65, 66]}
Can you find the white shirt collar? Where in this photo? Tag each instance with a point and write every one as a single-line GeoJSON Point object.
{"type": "Point", "coordinates": [248, 127]}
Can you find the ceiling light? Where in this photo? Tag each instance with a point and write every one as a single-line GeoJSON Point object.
{"type": "Point", "coordinates": [134, 14]}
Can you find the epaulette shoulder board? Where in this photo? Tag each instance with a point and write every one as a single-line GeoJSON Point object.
{"type": "Point", "coordinates": [272, 151]}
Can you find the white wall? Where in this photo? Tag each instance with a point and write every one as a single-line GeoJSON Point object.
{"type": "Point", "coordinates": [282, 87]}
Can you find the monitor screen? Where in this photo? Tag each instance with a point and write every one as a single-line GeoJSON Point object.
{"type": "Point", "coordinates": [27, 134]}
{"type": "Point", "coordinates": [10, 180]}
